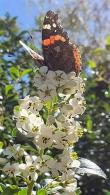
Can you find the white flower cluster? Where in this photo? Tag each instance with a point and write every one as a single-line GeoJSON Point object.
{"type": "Point", "coordinates": [57, 83]}
{"type": "Point", "coordinates": [50, 119]}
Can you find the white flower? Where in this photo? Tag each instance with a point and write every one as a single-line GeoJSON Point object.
{"type": "Point", "coordinates": [11, 169]}
{"type": "Point", "coordinates": [45, 79]}
{"type": "Point", "coordinates": [75, 164]}
{"type": "Point", "coordinates": [78, 107]}
{"type": "Point", "coordinates": [50, 120]}
{"type": "Point", "coordinates": [73, 133]}
{"type": "Point", "coordinates": [45, 139]}
{"type": "Point", "coordinates": [65, 158]}
{"type": "Point", "coordinates": [3, 161]}
{"type": "Point", "coordinates": [60, 117]}
{"type": "Point", "coordinates": [67, 110]}
{"type": "Point", "coordinates": [71, 76]}
{"type": "Point", "coordinates": [50, 129]}
{"type": "Point", "coordinates": [71, 188]}
{"type": "Point", "coordinates": [51, 78]}
{"type": "Point", "coordinates": [22, 120]}
{"type": "Point", "coordinates": [55, 167]}
{"type": "Point", "coordinates": [28, 171]}
{"type": "Point", "coordinates": [22, 114]}
{"type": "Point", "coordinates": [79, 96]}
{"type": "Point", "coordinates": [40, 77]}
{"type": "Point", "coordinates": [14, 151]}
{"type": "Point", "coordinates": [51, 75]}
{"type": "Point", "coordinates": [47, 93]}
{"type": "Point", "coordinates": [60, 77]}
{"type": "Point", "coordinates": [30, 168]}
{"type": "Point", "coordinates": [43, 164]}
{"type": "Point", "coordinates": [69, 88]}
{"type": "Point", "coordinates": [43, 70]}
{"type": "Point", "coordinates": [64, 121]}
{"type": "Point", "coordinates": [34, 123]}
{"type": "Point", "coordinates": [31, 104]}
{"type": "Point", "coordinates": [72, 85]}
{"type": "Point", "coordinates": [80, 84]}
{"type": "Point", "coordinates": [30, 126]}
{"type": "Point", "coordinates": [67, 175]}
{"type": "Point", "coordinates": [60, 140]}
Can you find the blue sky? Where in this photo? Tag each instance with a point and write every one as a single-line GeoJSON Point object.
{"type": "Point", "coordinates": [19, 8]}
{"type": "Point", "coordinates": [27, 10]}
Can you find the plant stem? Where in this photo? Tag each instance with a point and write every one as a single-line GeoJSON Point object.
{"type": "Point", "coordinates": [30, 188]}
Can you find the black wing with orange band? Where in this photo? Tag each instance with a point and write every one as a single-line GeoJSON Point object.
{"type": "Point", "coordinates": [58, 52]}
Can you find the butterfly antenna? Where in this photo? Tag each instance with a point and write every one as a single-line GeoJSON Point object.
{"type": "Point", "coordinates": [37, 58]}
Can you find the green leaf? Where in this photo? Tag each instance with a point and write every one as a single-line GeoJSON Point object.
{"type": "Point", "coordinates": [25, 72]}
{"type": "Point", "coordinates": [9, 190]}
{"type": "Point", "coordinates": [78, 192]}
{"type": "Point", "coordinates": [55, 100]}
{"type": "Point", "coordinates": [107, 107]}
{"type": "Point", "coordinates": [23, 192]}
{"type": "Point", "coordinates": [41, 192]}
{"type": "Point", "coordinates": [14, 72]}
{"type": "Point", "coordinates": [1, 145]}
{"type": "Point", "coordinates": [8, 88]}
{"type": "Point", "coordinates": [17, 108]}
{"type": "Point", "coordinates": [107, 40]}
{"type": "Point", "coordinates": [97, 51]}
{"type": "Point", "coordinates": [48, 105]}
{"type": "Point", "coordinates": [106, 192]}
{"type": "Point", "coordinates": [2, 32]}
{"type": "Point", "coordinates": [89, 123]}
{"type": "Point", "coordinates": [1, 190]}
{"type": "Point", "coordinates": [91, 63]}
{"type": "Point", "coordinates": [14, 132]}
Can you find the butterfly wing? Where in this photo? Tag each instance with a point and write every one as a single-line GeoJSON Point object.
{"type": "Point", "coordinates": [58, 52]}
{"type": "Point", "coordinates": [38, 58]}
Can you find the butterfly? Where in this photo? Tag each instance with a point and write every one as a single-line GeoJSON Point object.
{"type": "Point", "coordinates": [58, 52]}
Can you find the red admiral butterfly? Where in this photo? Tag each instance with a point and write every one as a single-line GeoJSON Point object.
{"type": "Point", "coordinates": [58, 52]}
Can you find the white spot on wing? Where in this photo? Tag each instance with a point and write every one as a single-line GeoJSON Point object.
{"type": "Point", "coordinates": [54, 25]}
{"type": "Point", "coordinates": [47, 26]}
